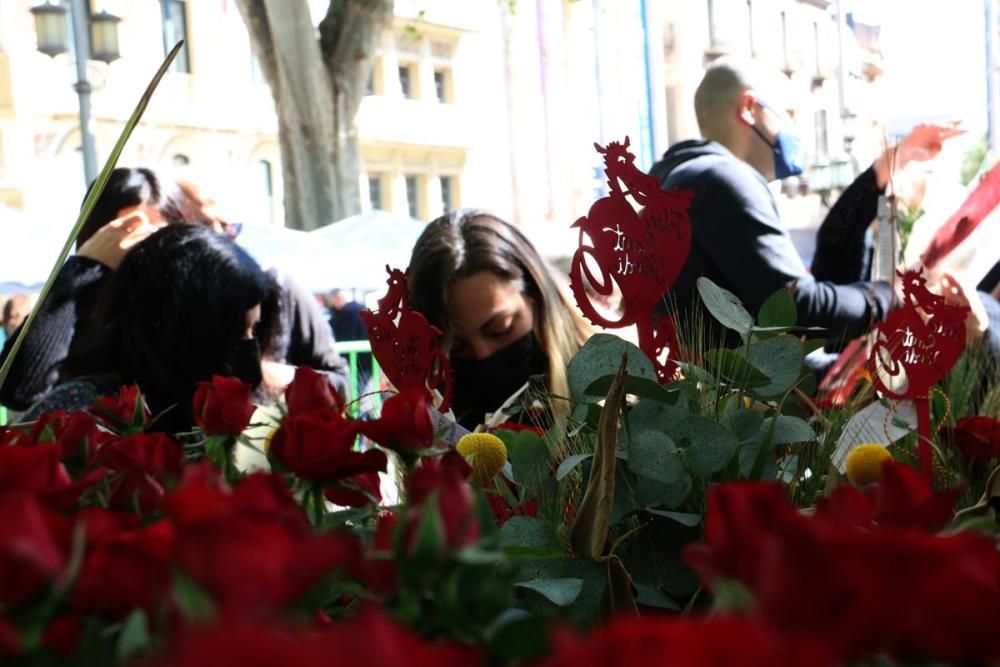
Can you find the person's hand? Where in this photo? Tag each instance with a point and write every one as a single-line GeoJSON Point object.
{"type": "Point", "coordinates": [957, 294]}
{"type": "Point", "coordinates": [275, 376]}
{"type": "Point", "coordinates": [110, 243]}
{"type": "Point", "coordinates": [924, 142]}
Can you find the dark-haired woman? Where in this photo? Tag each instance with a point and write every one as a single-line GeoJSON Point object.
{"type": "Point", "coordinates": [504, 315]}
{"type": "Point", "coordinates": [184, 304]}
{"type": "Point", "coordinates": [135, 203]}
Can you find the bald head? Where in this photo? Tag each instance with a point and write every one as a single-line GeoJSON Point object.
{"type": "Point", "coordinates": [717, 100]}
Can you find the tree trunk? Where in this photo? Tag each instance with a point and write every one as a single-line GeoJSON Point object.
{"type": "Point", "coordinates": [317, 86]}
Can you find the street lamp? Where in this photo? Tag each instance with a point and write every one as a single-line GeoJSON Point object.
{"type": "Point", "coordinates": [104, 37]}
{"type": "Point", "coordinates": [50, 28]}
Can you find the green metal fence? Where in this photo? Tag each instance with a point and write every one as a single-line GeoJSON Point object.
{"type": "Point", "coordinates": [351, 349]}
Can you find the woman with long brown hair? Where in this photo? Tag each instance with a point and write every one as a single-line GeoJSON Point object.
{"type": "Point", "coordinates": [504, 314]}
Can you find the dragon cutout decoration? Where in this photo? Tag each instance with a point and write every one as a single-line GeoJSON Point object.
{"type": "Point", "coordinates": [914, 348]}
{"type": "Point", "coordinates": [405, 345]}
{"type": "Point", "coordinates": [641, 253]}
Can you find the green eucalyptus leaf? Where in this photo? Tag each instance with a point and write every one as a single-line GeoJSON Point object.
{"type": "Point", "coordinates": [779, 310]}
{"type": "Point", "coordinates": [601, 356]}
{"type": "Point", "coordinates": [780, 359]}
{"type": "Point", "coordinates": [528, 532]}
{"type": "Point", "coordinates": [650, 493]}
{"type": "Point", "coordinates": [745, 424]}
{"type": "Point", "coordinates": [707, 445]}
{"type": "Point", "coordinates": [647, 596]}
{"type": "Point", "coordinates": [813, 344]}
{"type": "Point", "coordinates": [569, 463]}
{"type": "Point", "coordinates": [656, 416]}
{"type": "Point", "coordinates": [641, 387]}
{"type": "Point", "coordinates": [787, 430]}
{"type": "Point", "coordinates": [529, 458]}
{"type": "Point", "coordinates": [653, 454]}
{"type": "Point", "coordinates": [725, 306]}
{"type": "Point", "coordinates": [560, 592]}
{"type": "Point", "coordinates": [683, 518]}
{"type": "Point", "coordinates": [734, 368]}
{"type": "Point", "coordinates": [519, 637]}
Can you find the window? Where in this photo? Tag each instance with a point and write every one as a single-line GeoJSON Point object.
{"type": "Point", "coordinates": [447, 193]}
{"type": "Point", "coordinates": [442, 85]}
{"type": "Point", "coordinates": [822, 136]}
{"type": "Point", "coordinates": [265, 174]}
{"type": "Point", "coordinates": [406, 81]}
{"type": "Point", "coordinates": [266, 177]}
{"type": "Point", "coordinates": [375, 191]}
{"type": "Point", "coordinates": [413, 196]}
{"type": "Point", "coordinates": [180, 160]}
{"type": "Point", "coordinates": [174, 30]}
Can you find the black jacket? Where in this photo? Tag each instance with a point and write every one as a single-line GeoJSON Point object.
{"type": "Point", "coordinates": [66, 319]}
{"type": "Point", "coordinates": [740, 243]}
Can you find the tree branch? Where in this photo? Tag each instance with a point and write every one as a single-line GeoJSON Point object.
{"type": "Point", "coordinates": [254, 15]}
{"type": "Point", "coordinates": [349, 33]}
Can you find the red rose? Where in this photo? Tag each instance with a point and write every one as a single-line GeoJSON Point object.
{"type": "Point", "coordinates": [223, 406]}
{"type": "Point", "coordinates": [683, 642]}
{"type": "Point", "coordinates": [319, 446]}
{"type": "Point", "coordinates": [517, 428]}
{"type": "Point", "coordinates": [978, 438]}
{"type": "Point", "coordinates": [128, 571]}
{"type": "Point", "coordinates": [30, 556]}
{"type": "Point", "coordinates": [501, 511]}
{"type": "Point", "coordinates": [380, 572]}
{"type": "Point", "coordinates": [444, 480]}
{"type": "Point", "coordinates": [10, 639]}
{"type": "Point", "coordinates": [310, 390]}
{"type": "Point", "coordinates": [127, 409]}
{"type": "Point", "coordinates": [405, 423]}
{"type": "Point", "coordinates": [905, 594]}
{"type": "Point", "coordinates": [37, 470]}
{"type": "Point", "coordinates": [357, 491]}
{"type": "Point", "coordinates": [904, 498]}
{"type": "Point", "coordinates": [256, 533]}
{"type": "Point", "coordinates": [739, 521]}
{"type": "Point", "coordinates": [63, 636]}
{"type": "Point", "coordinates": [76, 433]}
{"type": "Point", "coordinates": [141, 465]}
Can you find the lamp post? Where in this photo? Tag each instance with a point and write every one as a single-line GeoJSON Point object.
{"type": "Point", "coordinates": [50, 27]}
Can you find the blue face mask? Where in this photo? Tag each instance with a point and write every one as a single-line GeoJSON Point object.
{"type": "Point", "coordinates": [789, 157]}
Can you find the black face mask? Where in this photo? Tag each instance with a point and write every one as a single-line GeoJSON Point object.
{"type": "Point", "coordinates": [244, 362]}
{"type": "Point", "coordinates": [482, 385]}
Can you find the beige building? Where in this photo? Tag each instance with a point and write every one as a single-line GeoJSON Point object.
{"type": "Point", "coordinates": [425, 128]}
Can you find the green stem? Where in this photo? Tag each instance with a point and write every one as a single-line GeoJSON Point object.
{"type": "Point", "coordinates": [318, 504]}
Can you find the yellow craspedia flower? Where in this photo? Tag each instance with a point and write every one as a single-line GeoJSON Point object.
{"type": "Point", "coordinates": [864, 463]}
{"type": "Point", "coordinates": [485, 452]}
{"type": "Point", "coordinates": [268, 439]}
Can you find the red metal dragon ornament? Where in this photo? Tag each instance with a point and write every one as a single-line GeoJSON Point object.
{"type": "Point", "coordinates": [406, 346]}
{"type": "Point", "coordinates": [914, 348]}
{"type": "Point", "coordinates": [641, 253]}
